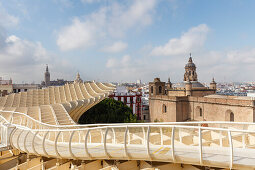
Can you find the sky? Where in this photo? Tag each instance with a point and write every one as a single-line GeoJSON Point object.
{"type": "Point", "coordinates": [123, 41]}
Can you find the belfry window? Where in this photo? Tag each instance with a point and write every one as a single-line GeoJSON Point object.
{"type": "Point", "coordinates": [151, 90]}
{"type": "Point", "coordinates": [164, 109]}
{"type": "Point", "coordinates": [160, 89]}
{"type": "Point", "coordinates": [201, 112]}
{"type": "Point", "coordinates": [232, 117]}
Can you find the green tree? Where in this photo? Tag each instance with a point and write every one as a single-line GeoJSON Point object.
{"type": "Point", "coordinates": [108, 111]}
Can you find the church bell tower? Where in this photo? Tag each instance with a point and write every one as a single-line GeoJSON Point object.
{"type": "Point", "coordinates": [47, 76]}
{"type": "Point", "coordinates": [190, 71]}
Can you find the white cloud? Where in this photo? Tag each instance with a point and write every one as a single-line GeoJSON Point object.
{"type": "Point", "coordinates": [19, 51]}
{"type": "Point", "coordinates": [75, 36]}
{"type": "Point", "coordinates": [230, 65]}
{"type": "Point", "coordinates": [190, 41]}
{"type": "Point", "coordinates": [245, 56]}
{"type": "Point", "coordinates": [125, 67]}
{"type": "Point", "coordinates": [226, 65]}
{"type": "Point", "coordinates": [108, 22]}
{"type": "Point", "coordinates": [116, 47]}
{"type": "Point", "coordinates": [21, 59]}
{"type": "Point", "coordinates": [111, 62]}
{"type": "Point", "coordinates": [7, 20]}
{"type": "Point", "coordinates": [81, 34]}
{"type": "Point", "coordinates": [24, 60]}
{"type": "Point", "coordinates": [114, 63]}
{"type": "Point", "coordinates": [138, 14]}
{"type": "Point", "coordinates": [129, 68]}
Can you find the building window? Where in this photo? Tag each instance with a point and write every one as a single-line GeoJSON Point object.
{"type": "Point", "coordinates": [160, 89]}
{"type": "Point", "coordinates": [229, 116]}
{"type": "Point", "coordinates": [144, 117]}
{"type": "Point", "coordinates": [164, 108]}
{"type": "Point", "coordinates": [201, 112]}
{"type": "Point", "coordinates": [232, 117]}
{"type": "Point", "coordinates": [138, 99]}
{"type": "Point", "coordinates": [151, 89]}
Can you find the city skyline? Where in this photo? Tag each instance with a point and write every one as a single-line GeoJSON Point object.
{"type": "Point", "coordinates": [110, 40]}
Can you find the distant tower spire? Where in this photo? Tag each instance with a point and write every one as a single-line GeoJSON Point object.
{"type": "Point", "coordinates": [169, 84]}
{"type": "Point", "coordinates": [190, 58]}
{"type": "Point", "coordinates": [213, 84]}
{"type": "Point", "coordinates": [78, 78]}
{"type": "Point", "coordinates": [47, 76]}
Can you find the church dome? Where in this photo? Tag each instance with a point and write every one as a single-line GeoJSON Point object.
{"type": "Point", "coordinates": [190, 63]}
{"type": "Point", "coordinates": [197, 84]}
{"type": "Point", "coordinates": [194, 84]}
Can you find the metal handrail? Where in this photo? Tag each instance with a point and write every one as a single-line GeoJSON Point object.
{"type": "Point", "coordinates": [114, 124]}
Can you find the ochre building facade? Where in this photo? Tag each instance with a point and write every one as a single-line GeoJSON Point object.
{"type": "Point", "coordinates": [192, 101]}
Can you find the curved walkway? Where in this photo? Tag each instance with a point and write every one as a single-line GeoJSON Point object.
{"type": "Point", "coordinates": [187, 143]}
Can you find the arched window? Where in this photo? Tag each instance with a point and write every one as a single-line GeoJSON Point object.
{"type": "Point", "coordinates": [232, 117]}
{"type": "Point", "coordinates": [151, 89]}
{"type": "Point", "coordinates": [160, 89]}
{"type": "Point", "coordinates": [164, 109]}
{"type": "Point", "coordinates": [190, 73]}
{"type": "Point", "coordinates": [198, 113]}
{"type": "Point", "coordinates": [229, 116]}
{"type": "Point", "coordinates": [193, 73]}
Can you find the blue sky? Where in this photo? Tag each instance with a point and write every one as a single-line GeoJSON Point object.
{"type": "Point", "coordinates": [111, 40]}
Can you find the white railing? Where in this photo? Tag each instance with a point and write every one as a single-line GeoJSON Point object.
{"type": "Point", "coordinates": [125, 140]}
{"type": "Point", "coordinates": [25, 120]}
{"type": "Point", "coordinates": [30, 135]}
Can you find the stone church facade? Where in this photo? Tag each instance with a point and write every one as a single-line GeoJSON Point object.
{"type": "Point", "coordinates": [192, 101]}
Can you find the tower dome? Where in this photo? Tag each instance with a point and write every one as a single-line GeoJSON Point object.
{"type": "Point", "coordinates": [190, 71]}
{"type": "Point", "coordinates": [190, 63]}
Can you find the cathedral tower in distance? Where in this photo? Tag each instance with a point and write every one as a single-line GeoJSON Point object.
{"type": "Point", "coordinates": [47, 76]}
{"type": "Point", "coordinates": [190, 71]}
